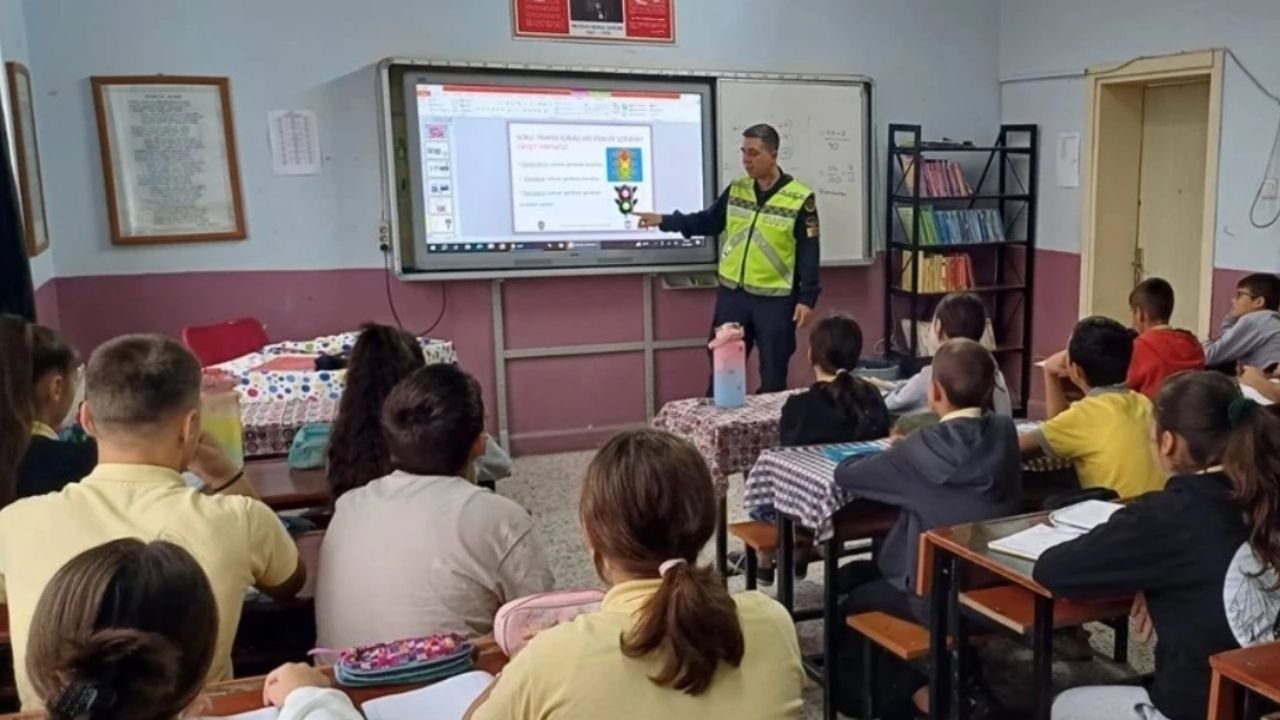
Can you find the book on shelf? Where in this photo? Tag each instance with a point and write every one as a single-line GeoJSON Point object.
{"type": "Point", "coordinates": [954, 227]}
{"type": "Point", "coordinates": [927, 341]}
{"type": "Point", "coordinates": [938, 273]}
{"type": "Point", "coordinates": [938, 178]}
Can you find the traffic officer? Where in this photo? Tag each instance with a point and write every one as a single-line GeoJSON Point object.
{"type": "Point", "coordinates": [768, 257]}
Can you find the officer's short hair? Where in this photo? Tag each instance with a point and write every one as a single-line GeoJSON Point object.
{"type": "Point", "coordinates": [765, 134]}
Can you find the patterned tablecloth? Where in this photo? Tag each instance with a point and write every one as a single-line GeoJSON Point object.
{"type": "Point", "coordinates": [269, 426]}
{"type": "Point", "coordinates": [800, 481]}
{"type": "Point", "coordinates": [730, 440]}
{"type": "Point", "coordinates": [280, 385]}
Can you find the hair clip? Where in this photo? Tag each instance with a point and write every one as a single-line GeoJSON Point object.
{"type": "Point", "coordinates": [82, 699]}
{"type": "Point", "coordinates": [1240, 409]}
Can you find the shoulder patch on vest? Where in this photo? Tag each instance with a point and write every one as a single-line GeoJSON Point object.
{"type": "Point", "coordinates": [811, 205]}
{"type": "Point", "coordinates": [811, 226]}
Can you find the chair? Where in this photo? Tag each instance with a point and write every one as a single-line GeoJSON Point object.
{"type": "Point", "coordinates": [219, 343]}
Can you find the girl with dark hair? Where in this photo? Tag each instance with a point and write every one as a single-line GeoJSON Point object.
{"type": "Point", "coordinates": [127, 631]}
{"type": "Point", "coordinates": [1202, 557]}
{"type": "Point", "coordinates": [358, 454]}
{"type": "Point", "coordinates": [840, 406]}
{"type": "Point", "coordinates": [17, 409]}
{"type": "Point", "coordinates": [57, 373]}
{"type": "Point", "coordinates": [669, 640]}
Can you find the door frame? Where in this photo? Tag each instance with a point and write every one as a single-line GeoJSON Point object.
{"type": "Point", "coordinates": [1198, 65]}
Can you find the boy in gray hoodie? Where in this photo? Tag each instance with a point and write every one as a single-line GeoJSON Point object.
{"type": "Point", "coordinates": [964, 469]}
{"type": "Point", "coordinates": [1251, 331]}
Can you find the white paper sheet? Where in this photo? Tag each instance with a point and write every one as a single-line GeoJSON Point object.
{"type": "Point", "coordinates": [448, 700]}
{"type": "Point", "coordinates": [1033, 542]}
{"type": "Point", "coordinates": [1084, 516]}
{"type": "Point", "coordinates": [294, 137]}
{"type": "Point", "coordinates": [1068, 160]}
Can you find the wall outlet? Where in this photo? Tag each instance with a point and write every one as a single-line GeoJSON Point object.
{"type": "Point", "coordinates": [384, 236]}
{"type": "Point", "coordinates": [1271, 189]}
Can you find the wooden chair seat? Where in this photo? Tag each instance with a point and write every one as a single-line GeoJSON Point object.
{"type": "Point", "coordinates": [756, 534]}
{"type": "Point", "coordinates": [1013, 607]}
{"type": "Point", "coordinates": [905, 640]}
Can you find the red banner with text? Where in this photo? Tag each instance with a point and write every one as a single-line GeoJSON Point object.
{"type": "Point", "coordinates": [651, 21]}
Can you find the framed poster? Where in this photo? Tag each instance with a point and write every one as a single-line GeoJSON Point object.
{"type": "Point", "coordinates": [169, 159]}
{"type": "Point", "coordinates": [30, 178]}
{"type": "Point", "coordinates": [642, 21]}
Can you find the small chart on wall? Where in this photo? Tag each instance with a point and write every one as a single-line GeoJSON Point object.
{"type": "Point", "coordinates": [823, 127]}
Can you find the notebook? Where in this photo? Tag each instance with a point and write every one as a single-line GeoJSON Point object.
{"type": "Point", "coordinates": [447, 700]}
{"type": "Point", "coordinates": [1084, 516]}
{"type": "Point", "coordinates": [839, 453]}
{"type": "Point", "coordinates": [1031, 543]}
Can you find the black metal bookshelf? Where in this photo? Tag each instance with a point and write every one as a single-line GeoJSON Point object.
{"type": "Point", "coordinates": [1003, 272]}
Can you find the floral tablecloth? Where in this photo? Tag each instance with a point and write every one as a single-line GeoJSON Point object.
{"type": "Point", "coordinates": [729, 440]}
{"type": "Point", "coordinates": [280, 385]}
{"type": "Point", "coordinates": [269, 427]}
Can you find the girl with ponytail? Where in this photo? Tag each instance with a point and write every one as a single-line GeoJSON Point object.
{"type": "Point", "coordinates": [127, 631]}
{"type": "Point", "coordinates": [669, 640]}
{"type": "Point", "coordinates": [840, 406]}
{"type": "Point", "coordinates": [1202, 557]}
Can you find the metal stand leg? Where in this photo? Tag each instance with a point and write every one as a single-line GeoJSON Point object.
{"type": "Point", "coordinates": [722, 538]}
{"type": "Point", "coordinates": [832, 626]}
{"type": "Point", "coordinates": [1042, 657]}
{"type": "Point", "coordinates": [1249, 706]}
{"type": "Point", "coordinates": [868, 678]}
{"type": "Point", "coordinates": [956, 633]}
{"type": "Point", "coordinates": [785, 563]}
{"type": "Point", "coordinates": [939, 658]}
{"type": "Point", "coordinates": [753, 563]}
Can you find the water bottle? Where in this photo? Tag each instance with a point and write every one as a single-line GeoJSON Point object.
{"type": "Point", "coordinates": [729, 366]}
{"type": "Point", "coordinates": [220, 414]}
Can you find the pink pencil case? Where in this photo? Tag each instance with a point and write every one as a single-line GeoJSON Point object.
{"type": "Point", "coordinates": [520, 618]}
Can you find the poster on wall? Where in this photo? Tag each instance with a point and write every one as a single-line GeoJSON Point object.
{"type": "Point", "coordinates": [27, 149]}
{"type": "Point", "coordinates": [641, 21]}
{"type": "Point", "coordinates": [169, 159]}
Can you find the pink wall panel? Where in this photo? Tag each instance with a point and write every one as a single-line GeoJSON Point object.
{"type": "Point", "coordinates": [573, 311]}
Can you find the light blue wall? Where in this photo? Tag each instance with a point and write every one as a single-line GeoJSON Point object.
{"type": "Point", "coordinates": [13, 47]}
{"type": "Point", "coordinates": [1049, 37]}
{"type": "Point", "coordinates": [933, 61]}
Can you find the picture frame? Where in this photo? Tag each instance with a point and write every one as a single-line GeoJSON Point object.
{"type": "Point", "coordinates": [169, 161]}
{"type": "Point", "coordinates": [27, 152]}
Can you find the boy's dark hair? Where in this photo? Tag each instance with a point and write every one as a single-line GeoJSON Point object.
{"type": "Point", "coordinates": [1102, 348]}
{"type": "Point", "coordinates": [1262, 285]}
{"type": "Point", "coordinates": [766, 135]}
{"type": "Point", "coordinates": [50, 353]}
{"type": "Point", "coordinates": [139, 380]}
{"type": "Point", "coordinates": [961, 315]}
{"type": "Point", "coordinates": [967, 373]}
{"type": "Point", "coordinates": [432, 419]}
{"type": "Point", "coordinates": [1154, 296]}
{"type": "Point", "coordinates": [382, 357]}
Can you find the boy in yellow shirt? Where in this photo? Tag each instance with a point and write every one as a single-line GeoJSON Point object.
{"type": "Point", "coordinates": [1107, 434]}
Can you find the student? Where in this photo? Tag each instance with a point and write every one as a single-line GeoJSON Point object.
{"type": "Point", "coordinates": [839, 406]}
{"type": "Point", "coordinates": [142, 404]}
{"type": "Point", "coordinates": [1159, 351]}
{"type": "Point", "coordinates": [1251, 331]}
{"type": "Point", "coordinates": [17, 408]}
{"type": "Point", "coordinates": [1202, 556]}
{"type": "Point", "coordinates": [1105, 434]}
{"type": "Point", "coordinates": [423, 550]}
{"type": "Point", "coordinates": [959, 315]}
{"type": "Point", "coordinates": [50, 463]}
{"type": "Point", "coordinates": [964, 469]}
{"type": "Point", "coordinates": [381, 358]}
{"type": "Point", "coordinates": [669, 640]}
{"type": "Point", "coordinates": [128, 630]}
{"type": "Point", "coordinates": [1261, 382]}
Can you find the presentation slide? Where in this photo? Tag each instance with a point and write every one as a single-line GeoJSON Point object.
{"type": "Point", "coordinates": [518, 174]}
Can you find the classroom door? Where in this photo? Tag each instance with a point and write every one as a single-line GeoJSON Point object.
{"type": "Point", "coordinates": [1175, 130]}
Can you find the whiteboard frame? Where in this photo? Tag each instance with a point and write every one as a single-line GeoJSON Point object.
{"type": "Point", "coordinates": [389, 233]}
{"type": "Point", "coordinates": [868, 141]}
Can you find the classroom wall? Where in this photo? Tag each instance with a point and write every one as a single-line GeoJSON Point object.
{"type": "Point", "coordinates": [13, 47]}
{"type": "Point", "coordinates": [311, 264]}
{"type": "Point", "coordinates": [1044, 47]}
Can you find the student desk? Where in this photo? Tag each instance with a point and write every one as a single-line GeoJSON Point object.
{"type": "Point", "coordinates": [942, 555]}
{"type": "Point", "coordinates": [283, 488]}
{"type": "Point", "coordinates": [1239, 676]}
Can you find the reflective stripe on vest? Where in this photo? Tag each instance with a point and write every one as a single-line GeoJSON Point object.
{"type": "Point", "coordinates": [758, 252]}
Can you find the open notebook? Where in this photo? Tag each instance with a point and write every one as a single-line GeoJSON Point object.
{"type": "Point", "coordinates": [446, 700]}
{"type": "Point", "coordinates": [1064, 525]}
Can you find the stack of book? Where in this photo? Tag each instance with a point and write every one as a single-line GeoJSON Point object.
{"type": "Point", "coordinates": [938, 178]}
{"type": "Point", "coordinates": [954, 227]}
{"type": "Point", "coordinates": [938, 273]}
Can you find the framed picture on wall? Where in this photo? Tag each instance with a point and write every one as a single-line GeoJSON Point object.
{"type": "Point", "coordinates": [27, 150]}
{"type": "Point", "coordinates": [169, 159]}
{"type": "Point", "coordinates": [634, 21]}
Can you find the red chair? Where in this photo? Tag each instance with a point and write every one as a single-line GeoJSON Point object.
{"type": "Point", "coordinates": [214, 344]}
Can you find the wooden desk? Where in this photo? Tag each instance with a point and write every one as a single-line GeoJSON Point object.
{"type": "Point", "coordinates": [1239, 675]}
{"type": "Point", "coordinates": [282, 488]}
{"type": "Point", "coordinates": [946, 549]}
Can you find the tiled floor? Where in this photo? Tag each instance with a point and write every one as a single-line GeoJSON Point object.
{"type": "Point", "coordinates": [548, 486]}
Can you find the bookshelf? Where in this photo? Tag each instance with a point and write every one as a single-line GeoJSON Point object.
{"type": "Point", "coordinates": [962, 218]}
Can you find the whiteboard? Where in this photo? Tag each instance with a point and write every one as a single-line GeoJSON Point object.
{"type": "Point", "coordinates": [823, 126]}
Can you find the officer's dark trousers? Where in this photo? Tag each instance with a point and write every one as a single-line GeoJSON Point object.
{"type": "Point", "coordinates": [770, 327]}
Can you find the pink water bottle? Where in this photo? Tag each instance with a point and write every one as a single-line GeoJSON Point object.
{"type": "Point", "coordinates": [729, 366]}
